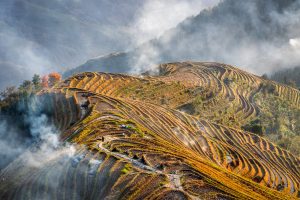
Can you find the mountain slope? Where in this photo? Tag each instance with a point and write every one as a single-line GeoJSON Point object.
{"type": "Point", "coordinates": [217, 92]}
{"type": "Point", "coordinates": [132, 142]}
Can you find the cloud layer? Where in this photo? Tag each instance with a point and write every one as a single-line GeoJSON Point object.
{"type": "Point", "coordinates": [39, 37]}
{"type": "Point", "coordinates": [258, 36]}
{"type": "Point", "coordinates": [155, 17]}
{"type": "Point", "coordinates": [44, 36]}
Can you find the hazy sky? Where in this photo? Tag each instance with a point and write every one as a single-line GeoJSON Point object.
{"type": "Point", "coordinates": [156, 16]}
{"type": "Point", "coordinates": [39, 36]}
{"type": "Point", "coordinates": [257, 36]}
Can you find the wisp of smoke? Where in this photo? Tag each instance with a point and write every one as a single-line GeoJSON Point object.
{"type": "Point", "coordinates": [35, 146]}
{"type": "Point", "coordinates": [48, 146]}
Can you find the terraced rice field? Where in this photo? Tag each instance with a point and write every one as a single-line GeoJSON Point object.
{"type": "Point", "coordinates": [229, 87]}
{"type": "Point", "coordinates": [134, 142]}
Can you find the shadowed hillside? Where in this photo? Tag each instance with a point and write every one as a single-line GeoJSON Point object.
{"type": "Point", "coordinates": [172, 133]}
{"type": "Point", "coordinates": [288, 76]}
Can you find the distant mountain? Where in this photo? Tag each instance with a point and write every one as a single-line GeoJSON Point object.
{"type": "Point", "coordinates": [252, 34]}
{"type": "Point", "coordinates": [42, 36]}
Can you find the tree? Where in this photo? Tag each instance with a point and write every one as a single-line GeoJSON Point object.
{"type": "Point", "coordinates": [295, 147]}
{"type": "Point", "coordinates": [9, 92]}
{"type": "Point", "coordinates": [26, 84]}
{"type": "Point", "coordinates": [285, 80]}
{"type": "Point", "coordinates": [268, 87]}
{"type": "Point", "coordinates": [292, 83]}
{"type": "Point", "coordinates": [25, 88]}
{"type": "Point", "coordinates": [36, 80]}
{"type": "Point", "coordinates": [265, 76]}
{"type": "Point", "coordinates": [254, 127]}
{"type": "Point", "coordinates": [45, 81]}
{"type": "Point", "coordinates": [54, 78]}
{"type": "Point", "coordinates": [9, 96]}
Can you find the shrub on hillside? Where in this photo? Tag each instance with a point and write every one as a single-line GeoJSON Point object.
{"type": "Point", "coordinates": [11, 95]}
{"type": "Point", "coordinates": [269, 88]}
{"type": "Point", "coordinates": [295, 146]}
{"type": "Point", "coordinates": [254, 127]}
{"type": "Point", "coordinates": [54, 78]}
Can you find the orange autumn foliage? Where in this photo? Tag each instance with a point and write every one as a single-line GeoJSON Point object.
{"type": "Point", "coordinates": [51, 79]}
{"type": "Point", "coordinates": [54, 77]}
{"type": "Point", "coordinates": [45, 81]}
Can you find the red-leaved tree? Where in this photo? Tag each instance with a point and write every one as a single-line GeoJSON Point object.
{"type": "Point", "coordinates": [54, 77]}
